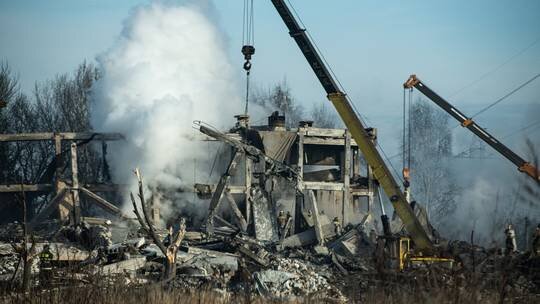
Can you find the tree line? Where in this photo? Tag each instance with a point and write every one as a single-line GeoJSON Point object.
{"type": "Point", "coordinates": [61, 104]}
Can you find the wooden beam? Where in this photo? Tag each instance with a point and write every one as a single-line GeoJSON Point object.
{"type": "Point", "coordinates": [49, 208]}
{"type": "Point", "coordinates": [57, 160]}
{"type": "Point", "coordinates": [346, 179]}
{"type": "Point", "coordinates": [322, 132]}
{"type": "Point", "coordinates": [287, 228]}
{"type": "Point", "coordinates": [49, 187]}
{"type": "Point", "coordinates": [300, 164]}
{"type": "Point", "coordinates": [308, 140]}
{"type": "Point", "coordinates": [63, 135]}
{"type": "Point", "coordinates": [316, 220]}
{"type": "Point", "coordinates": [220, 188]}
{"type": "Point", "coordinates": [103, 203]}
{"type": "Point", "coordinates": [329, 186]}
{"type": "Point", "coordinates": [247, 191]}
{"type": "Point", "coordinates": [223, 222]}
{"type": "Point", "coordinates": [65, 206]}
{"type": "Point", "coordinates": [75, 185]}
{"type": "Point", "coordinates": [26, 187]}
{"type": "Point", "coordinates": [356, 162]}
{"type": "Point", "coordinates": [105, 187]}
{"type": "Point", "coordinates": [361, 192]}
{"type": "Point", "coordinates": [231, 188]}
{"type": "Point", "coordinates": [236, 212]}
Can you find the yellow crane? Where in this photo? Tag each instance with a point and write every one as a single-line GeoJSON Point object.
{"type": "Point", "coordinates": [343, 105]}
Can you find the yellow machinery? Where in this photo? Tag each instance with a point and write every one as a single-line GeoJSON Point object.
{"type": "Point", "coordinates": [358, 131]}
{"type": "Point", "coordinates": [400, 256]}
{"type": "Point", "coordinates": [396, 248]}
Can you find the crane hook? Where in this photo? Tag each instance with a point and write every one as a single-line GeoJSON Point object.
{"type": "Point", "coordinates": [248, 51]}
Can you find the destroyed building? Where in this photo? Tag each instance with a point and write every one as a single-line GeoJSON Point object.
{"type": "Point", "coordinates": [291, 215]}
{"type": "Point", "coordinates": [325, 186]}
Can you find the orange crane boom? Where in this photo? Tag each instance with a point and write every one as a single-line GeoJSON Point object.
{"type": "Point", "coordinates": [522, 165]}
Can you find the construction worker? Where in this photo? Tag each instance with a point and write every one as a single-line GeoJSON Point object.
{"type": "Point", "coordinates": [45, 265]}
{"type": "Point", "coordinates": [337, 226]}
{"type": "Point", "coordinates": [282, 221]}
{"type": "Point", "coordinates": [511, 246]}
{"type": "Point", "coordinates": [535, 250]}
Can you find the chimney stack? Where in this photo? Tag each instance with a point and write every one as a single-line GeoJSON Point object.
{"type": "Point", "coordinates": [276, 121]}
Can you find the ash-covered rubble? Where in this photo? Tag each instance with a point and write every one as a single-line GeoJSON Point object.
{"type": "Point", "coordinates": [290, 217]}
{"type": "Point", "coordinates": [233, 262]}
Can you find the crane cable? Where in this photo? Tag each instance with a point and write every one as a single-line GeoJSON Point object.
{"type": "Point", "coordinates": [248, 39]}
{"type": "Point", "coordinates": [506, 96]}
{"type": "Point", "coordinates": [404, 142]}
{"type": "Point", "coordinates": [483, 76]}
{"type": "Point", "coordinates": [409, 127]}
{"type": "Point", "coordinates": [406, 154]}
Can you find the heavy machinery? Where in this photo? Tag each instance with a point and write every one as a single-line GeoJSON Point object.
{"type": "Point", "coordinates": [424, 246]}
{"type": "Point", "coordinates": [522, 165]}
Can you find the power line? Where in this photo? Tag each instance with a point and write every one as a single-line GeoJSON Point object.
{"type": "Point", "coordinates": [507, 95]}
{"type": "Point", "coordinates": [533, 124]}
{"type": "Point", "coordinates": [496, 68]}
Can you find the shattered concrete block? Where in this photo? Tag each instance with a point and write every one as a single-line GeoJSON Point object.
{"type": "Point", "coordinates": [6, 249]}
{"type": "Point", "coordinates": [203, 262]}
{"type": "Point", "coordinates": [130, 265]}
{"type": "Point", "coordinates": [305, 238]}
{"type": "Point", "coordinates": [321, 250]}
{"type": "Point", "coordinates": [265, 222]}
{"type": "Point", "coordinates": [268, 282]}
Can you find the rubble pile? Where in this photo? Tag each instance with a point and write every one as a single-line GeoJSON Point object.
{"type": "Point", "coordinates": [238, 264]}
{"type": "Point", "coordinates": [295, 278]}
{"type": "Point", "coordinates": [272, 231]}
{"type": "Point", "coordinates": [8, 260]}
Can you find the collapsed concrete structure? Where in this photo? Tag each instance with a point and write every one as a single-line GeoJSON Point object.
{"type": "Point", "coordinates": [322, 186]}
{"type": "Point", "coordinates": [291, 215]}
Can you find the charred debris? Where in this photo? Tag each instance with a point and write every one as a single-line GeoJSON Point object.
{"type": "Point", "coordinates": [296, 212]}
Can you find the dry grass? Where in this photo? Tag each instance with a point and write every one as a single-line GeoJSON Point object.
{"type": "Point", "coordinates": [121, 293]}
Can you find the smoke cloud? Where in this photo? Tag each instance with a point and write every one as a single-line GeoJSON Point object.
{"type": "Point", "coordinates": [168, 68]}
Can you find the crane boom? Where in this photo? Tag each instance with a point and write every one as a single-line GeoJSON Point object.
{"type": "Point", "coordinates": [468, 123]}
{"type": "Point", "coordinates": [344, 107]}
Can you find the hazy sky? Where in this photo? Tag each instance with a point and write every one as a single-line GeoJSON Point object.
{"type": "Point", "coordinates": [373, 46]}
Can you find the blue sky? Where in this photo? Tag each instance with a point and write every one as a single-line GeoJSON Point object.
{"type": "Point", "coordinates": [372, 46]}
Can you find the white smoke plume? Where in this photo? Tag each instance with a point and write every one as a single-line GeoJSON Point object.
{"type": "Point", "coordinates": [168, 68]}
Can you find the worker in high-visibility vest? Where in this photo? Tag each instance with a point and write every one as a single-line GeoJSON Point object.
{"type": "Point", "coordinates": [45, 265]}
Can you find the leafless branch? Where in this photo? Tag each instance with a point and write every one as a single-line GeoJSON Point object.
{"type": "Point", "coordinates": [175, 238]}
{"type": "Point", "coordinates": [149, 225]}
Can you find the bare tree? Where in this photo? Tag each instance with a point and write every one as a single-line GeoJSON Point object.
{"type": "Point", "coordinates": [324, 116]}
{"type": "Point", "coordinates": [27, 249]}
{"type": "Point", "coordinates": [432, 181]}
{"type": "Point", "coordinates": [58, 105]}
{"type": "Point", "coordinates": [146, 224]}
{"type": "Point", "coordinates": [280, 98]}
{"type": "Point", "coordinates": [9, 91]}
